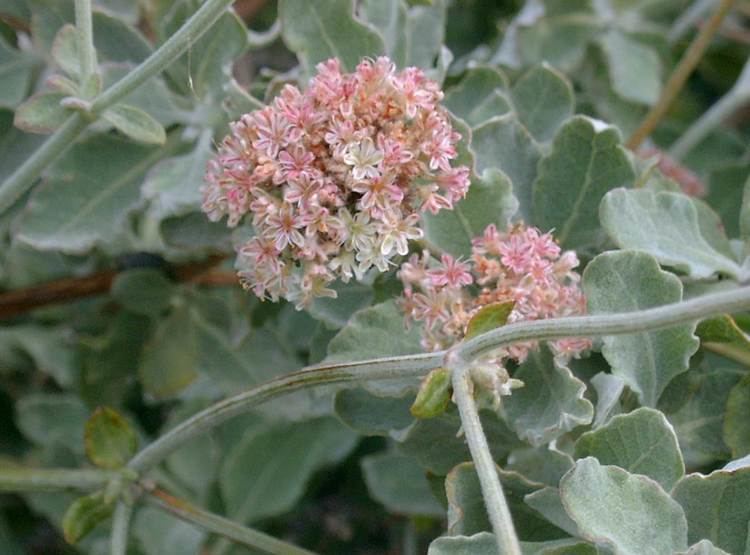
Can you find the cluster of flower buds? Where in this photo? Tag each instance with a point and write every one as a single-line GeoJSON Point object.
{"type": "Point", "coordinates": [521, 266]}
{"type": "Point", "coordinates": [334, 178]}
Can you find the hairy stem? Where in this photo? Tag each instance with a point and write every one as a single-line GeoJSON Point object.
{"type": "Point", "coordinates": [379, 369]}
{"type": "Point", "coordinates": [676, 81]}
{"type": "Point", "coordinates": [85, 40]}
{"type": "Point", "coordinates": [118, 541]}
{"type": "Point", "coordinates": [222, 526]}
{"type": "Point", "coordinates": [492, 489]}
{"type": "Point", "coordinates": [53, 479]}
{"type": "Point", "coordinates": [24, 177]}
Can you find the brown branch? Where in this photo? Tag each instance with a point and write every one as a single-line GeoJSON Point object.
{"type": "Point", "coordinates": [679, 76]}
{"type": "Point", "coordinates": [20, 301]}
{"type": "Point", "coordinates": [15, 23]}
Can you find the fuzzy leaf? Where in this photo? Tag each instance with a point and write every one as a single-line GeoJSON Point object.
{"type": "Point", "coordinates": [83, 515]}
{"type": "Point", "coordinates": [745, 213]}
{"type": "Point", "coordinates": [87, 197]}
{"type": "Point", "coordinates": [266, 472]}
{"type": "Point", "coordinates": [704, 547]}
{"type": "Point", "coordinates": [722, 335]}
{"type": "Point", "coordinates": [543, 100]}
{"type": "Point", "coordinates": [479, 544]}
{"type": "Point", "coordinates": [110, 441]}
{"type": "Point", "coordinates": [634, 68]}
{"type": "Point", "coordinates": [716, 507]}
{"type": "Point", "coordinates": [16, 72]}
{"type": "Point", "coordinates": [479, 96]}
{"type": "Point", "coordinates": [489, 201]}
{"type": "Point", "coordinates": [42, 113]}
{"type": "Point", "coordinates": [600, 499]}
{"type": "Point", "coordinates": [317, 30]}
{"type": "Point", "coordinates": [664, 225]}
{"type": "Point", "coordinates": [399, 483]}
{"type": "Point", "coordinates": [143, 291]}
{"type": "Point", "coordinates": [65, 50]}
{"type": "Point", "coordinates": [586, 161]}
{"type": "Point", "coordinates": [550, 403]}
{"type": "Point", "coordinates": [736, 419]}
{"type": "Point", "coordinates": [641, 442]}
{"type": "Point", "coordinates": [135, 123]}
{"type": "Point", "coordinates": [371, 414]}
{"type": "Point", "coordinates": [624, 281]}
{"type": "Point", "coordinates": [488, 318]}
{"type": "Point", "coordinates": [52, 419]}
{"type": "Point", "coordinates": [608, 388]}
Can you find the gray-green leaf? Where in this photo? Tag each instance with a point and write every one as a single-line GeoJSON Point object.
{"type": "Point", "coordinates": [135, 123]}
{"type": "Point", "coordinates": [42, 113]}
{"type": "Point", "coordinates": [543, 100]}
{"type": "Point", "coordinates": [623, 281]}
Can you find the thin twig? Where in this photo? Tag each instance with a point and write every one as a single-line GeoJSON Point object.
{"type": "Point", "coordinates": [53, 479]}
{"type": "Point", "coordinates": [220, 525]}
{"type": "Point", "coordinates": [679, 76]}
{"type": "Point", "coordinates": [86, 49]}
{"type": "Point", "coordinates": [20, 301]}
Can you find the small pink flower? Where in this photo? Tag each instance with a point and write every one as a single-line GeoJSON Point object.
{"type": "Point", "coordinates": [451, 273]}
{"type": "Point", "coordinates": [283, 226]}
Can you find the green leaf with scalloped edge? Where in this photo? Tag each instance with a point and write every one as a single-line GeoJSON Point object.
{"type": "Point", "coordinates": [623, 281]}
{"type": "Point", "coordinates": [87, 197]}
{"type": "Point", "coordinates": [482, 543]}
{"type": "Point", "coordinates": [544, 464]}
{"type": "Point", "coordinates": [641, 442]}
{"type": "Point", "coordinates": [666, 226]}
{"type": "Point", "coordinates": [109, 439]}
{"type": "Point", "coordinates": [16, 72]}
{"type": "Point", "coordinates": [585, 162]}
{"type": "Point", "coordinates": [737, 419]}
{"type": "Point", "coordinates": [481, 95]}
{"type": "Point", "coordinates": [490, 200]}
{"type": "Point", "coordinates": [547, 502]}
{"type": "Point", "coordinates": [600, 499]}
{"type": "Point", "coordinates": [41, 113]}
{"type": "Point", "coordinates": [703, 547]}
{"type": "Point", "coordinates": [716, 507]}
{"type": "Point", "coordinates": [634, 67]}
{"type": "Point", "coordinates": [503, 143]}
{"type": "Point", "coordinates": [542, 100]}
{"type": "Point", "coordinates": [550, 403]}
{"type": "Point", "coordinates": [135, 123]}
{"type": "Point", "coordinates": [371, 414]}
{"type": "Point", "coordinates": [399, 483]}
{"type": "Point", "coordinates": [317, 30]}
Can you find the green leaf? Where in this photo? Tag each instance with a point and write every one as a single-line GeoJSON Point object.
{"type": "Point", "coordinates": [399, 484]}
{"type": "Point", "coordinates": [143, 291]}
{"type": "Point", "coordinates": [544, 465]}
{"type": "Point", "coordinates": [87, 197]}
{"type": "Point", "coordinates": [46, 347]}
{"type": "Point", "coordinates": [42, 113]}
{"type": "Point", "coordinates": [371, 414]}
{"type": "Point", "coordinates": [543, 100]}
{"type": "Point", "coordinates": [265, 474]}
{"type": "Point", "coordinates": [700, 399]}
{"type": "Point", "coordinates": [135, 123]}
{"type": "Point", "coordinates": [65, 50]}
{"type": "Point", "coordinates": [16, 147]}
{"type": "Point", "coordinates": [725, 192]}
{"type": "Point", "coordinates": [159, 533]}
{"type": "Point", "coordinates": [722, 335]}
{"type": "Point", "coordinates": [335, 313]}
{"type": "Point", "coordinates": [110, 441]}
{"type": "Point", "coordinates": [434, 444]}
{"type": "Point", "coordinates": [634, 68]}
{"type": "Point", "coordinates": [745, 213]}
{"type": "Point", "coordinates": [608, 388]}
{"type": "Point", "coordinates": [664, 225]}
{"type": "Point", "coordinates": [317, 30]}
{"type": "Point", "coordinates": [479, 544]}
{"type": "Point", "coordinates": [641, 442]}
{"type": "Point", "coordinates": [16, 72]}
{"type": "Point", "coordinates": [489, 201]}
{"type": "Point", "coordinates": [712, 228]}
{"type": "Point", "coordinates": [488, 318]}
{"type": "Point", "coordinates": [503, 143]}
{"type": "Point", "coordinates": [52, 419]}
{"type": "Point", "coordinates": [585, 162]}
{"type": "Point", "coordinates": [479, 96]}
{"type": "Point", "coordinates": [170, 359]}
{"type": "Point", "coordinates": [716, 507]}
{"type": "Point", "coordinates": [623, 281]}
{"type": "Point", "coordinates": [550, 403]}
{"type": "Point", "coordinates": [736, 419]}
{"type": "Point", "coordinates": [547, 502]}
{"type": "Point", "coordinates": [601, 499]}
{"type": "Point", "coordinates": [83, 515]}
{"type": "Point", "coordinates": [560, 40]}
{"type": "Point", "coordinates": [434, 395]}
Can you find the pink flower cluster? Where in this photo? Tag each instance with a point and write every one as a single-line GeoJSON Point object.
{"type": "Point", "coordinates": [334, 178]}
{"type": "Point", "coordinates": [521, 265]}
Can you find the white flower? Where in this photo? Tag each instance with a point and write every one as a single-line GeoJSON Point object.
{"type": "Point", "coordinates": [364, 158]}
{"type": "Point", "coordinates": [396, 232]}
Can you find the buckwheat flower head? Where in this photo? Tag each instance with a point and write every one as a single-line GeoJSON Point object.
{"type": "Point", "coordinates": [520, 265]}
{"type": "Point", "coordinates": [334, 178]}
